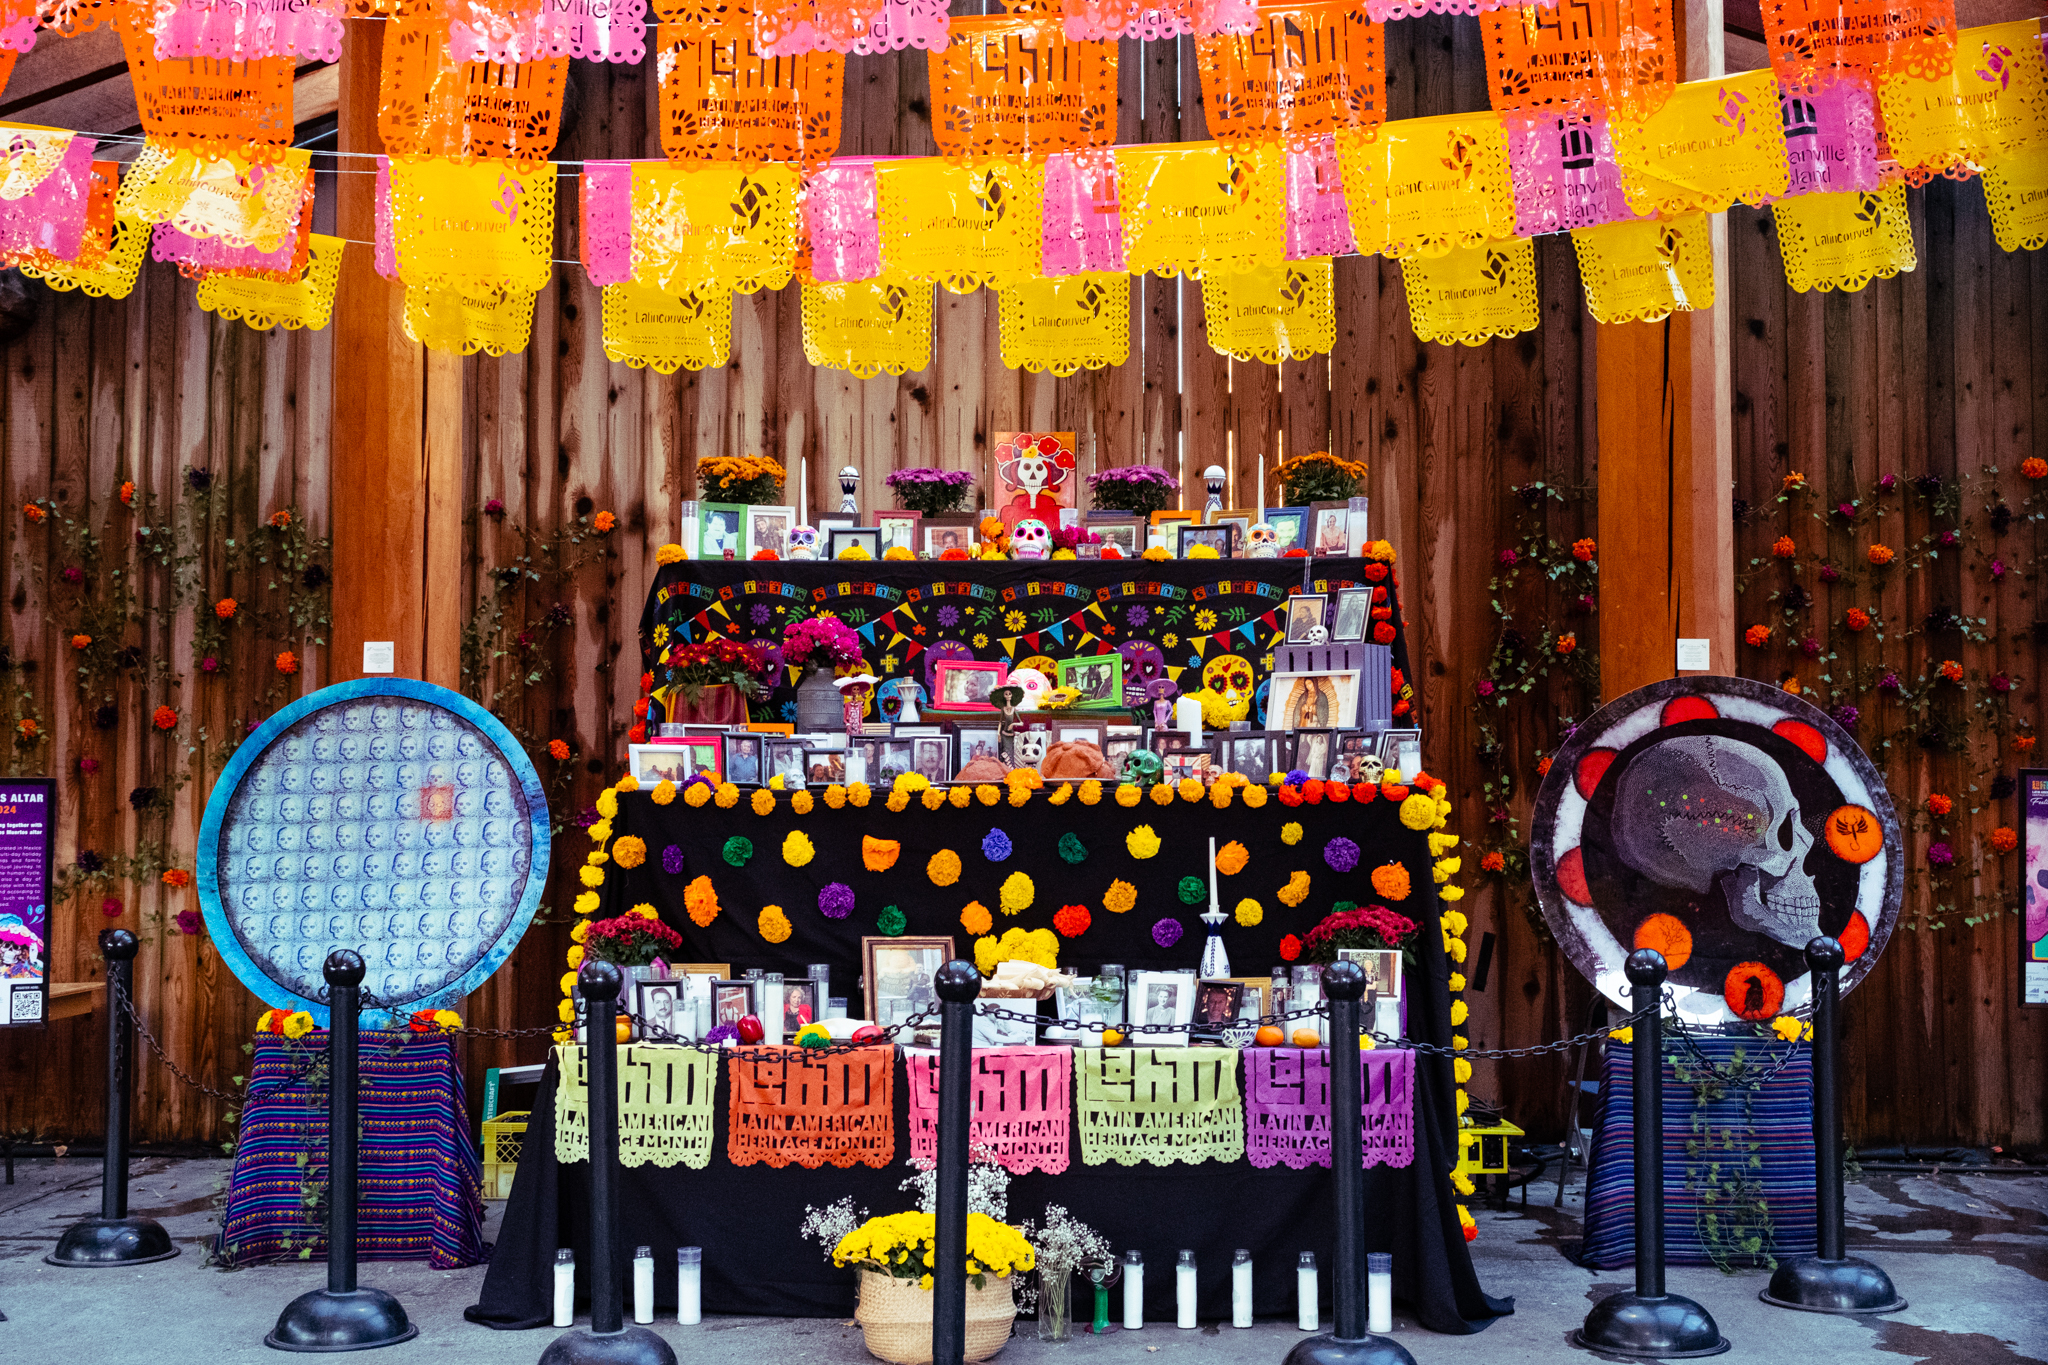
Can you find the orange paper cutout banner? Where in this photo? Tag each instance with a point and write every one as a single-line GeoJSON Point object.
{"type": "Point", "coordinates": [1616, 52]}
{"type": "Point", "coordinates": [1814, 41]}
{"type": "Point", "coordinates": [1306, 70]}
{"type": "Point", "coordinates": [790, 1106]}
{"type": "Point", "coordinates": [207, 104]}
{"type": "Point", "coordinates": [1014, 86]}
{"type": "Point", "coordinates": [432, 105]}
{"type": "Point", "coordinates": [721, 100]}
{"type": "Point", "coordinates": [69, 18]}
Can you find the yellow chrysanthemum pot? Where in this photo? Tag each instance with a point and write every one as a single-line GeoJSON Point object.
{"type": "Point", "coordinates": [895, 1317]}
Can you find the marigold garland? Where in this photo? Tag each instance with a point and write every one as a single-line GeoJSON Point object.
{"type": "Point", "coordinates": [695, 795]}
{"type": "Point", "coordinates": [797, 849]}
{"type": "Point", "coordinates": [1071, 920]}
{"type": "Point", "coordinates": [608, 803]}
{"type": "Point", "coordinates": [1162, 795]}
{"type": "Point", "coordinates": [1296, 890]}
{"type": "Point", "coordinates": [897, 803]}
{"type": "Point", "coordinates": [1250, 912]}
{"type": "Point", "coordinates": [800, 803]}
{"type": "Point", "coordinates": [879, 855]}
{"type": "Point", "coordinates": [975, 918]}
{"type": "Point", "coordinates": [1120, 897]}
{"type": "Point", "coordinates": [1128, 796]}
{"type": "Point", "coordinates": [1390, 881]}
{"type": "Point", "coordinates": [728, 796]}
{"type": "Point", "coordinates": [932, 797]}
{"type": "Point", "coordinates": [1091, 791]}
{"type": "Point", "coordinates": [701, 901]}
{"type": "Point", "coordinates": [773, 924]}
{"type": "Point", "coordinates": [1020, 945]}
{"type": "Point", "coordinates": [592, 877]}
{"type": "Point", "coordinates": [835, 795]}
{"type": "Point", "coordinates": [1017, 893]}
{"type": "Point", "coordinates": [763, 801]}
{"type": "Point", "coordinates": [664, 792]}
{"type": "Point", "coordinates": [1142, 842]}
{"type": "Point", "coordinates": [988, 793]}
{"type": "Point", "coordinates": [960, 797]}
{"type": "Point", "coordinates": [943, 867]}
{"type": "Point", "coordinates": [586, 903]}
{"type": "Point", "coordinates": [737, 850]}
{"type": "Point", "coordinates": [1231, 858]}
{"type": "Point", "coordinates": [1019, 793]}
{"type": "Point", "coordinates": [1060, 794]}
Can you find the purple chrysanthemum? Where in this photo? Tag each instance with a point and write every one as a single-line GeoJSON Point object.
{"type": "Point", "coordinates": [995, 846]}
{"type": "Point", "coordinates": [1508, 559]}
{"type": "Point", "coordinates": [1137, 616]}
{"type": "Point", "coordinates": [949, 616]}
{"type": "Point", "coordinates": [586, 817]}
{"type": "Point", "coordinates": [1484, 687]}
{"type": "Point", "coordinates": [1341, 854]}
{"type": "Point", "coordinates": [1830, 574]}
{"type": "Point", "coordinates": [672, 860]}
{"type": "Point", "coordinates": [836, 900]}
{"type": "Point", "coordinates": [1888, 683]}
{"type": "Point", "coordinates": [1941, 855]}
{"type": "Point", "coordinates": [1166, 932]}
{"type": "Point", "coordinates": [188, 921]}
{"type": "Point", "coordinates": [723, 1033]}
{"type": "Point", "coordinates": [1846, 716]}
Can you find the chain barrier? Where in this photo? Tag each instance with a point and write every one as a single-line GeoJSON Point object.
{"type": "Point", "coordinates": [126, 1005]}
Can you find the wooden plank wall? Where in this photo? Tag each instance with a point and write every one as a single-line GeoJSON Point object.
{"type": "Point", "coordinates": [1902, 375]}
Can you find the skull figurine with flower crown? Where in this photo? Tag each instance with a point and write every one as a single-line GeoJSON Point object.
{"type": "Point", "coordinates": [803, 542]}
{"type": "Point", "coordinates": [1262, 541]}
{"type": "Point", "coordinates": [1030, 538]}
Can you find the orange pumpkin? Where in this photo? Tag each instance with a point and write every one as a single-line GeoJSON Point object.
{"type": "Point", "coordinates": [1753, 991]}
{"type": "Point", "coordinates": [1855, 834]}
{"type": "Point", "coordinates": [1669, 936]}
{"type": "Point", "coordinates": [1269, 1035]}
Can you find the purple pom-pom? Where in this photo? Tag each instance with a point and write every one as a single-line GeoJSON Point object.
{"type": "Point", "coordinates": [1166, 932]}
{"type": "Point", "coordinates": [672, 860]}
{"type": "Point", "coordinates": [708, 784]}
{"type": "Point", "coordinates": [836, 901]}
{"type": "Point", "coordinates": [1296, 776]}
{"type": "Point", "coordinates": [723, 1033]}
{"type": "Point", "coordinates": [1941, 855]}
{"type": "Point", "coordinates": [1341, 854]}
{"type": "Point", "coordinates": [995, 846]}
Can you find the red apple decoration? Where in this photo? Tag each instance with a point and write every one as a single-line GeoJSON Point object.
{"type": "Point", "coordinates": [750, 1029]}
{"type": "Point", "coordinates": [868, 1033]}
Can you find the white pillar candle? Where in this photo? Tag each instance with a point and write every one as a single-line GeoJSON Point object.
{"type": "Point", "coordinates": [1184, 1289]}
{"type": "Point", "coordinates": [565, 1288]}
{"type": "Point", "coordinates": [1241, 1289]}
{"type": "Point", "coordinates": [1134, 1291]}
{"type": "Point", "coordinates": [643, 1285]}
{"type": "Point", "coordinates": [1379, 1291]}
{"type": "Point", "coordinates": [1187, 716]}
{"type": "Point", "coordinates": [770, 1007]}
{"type": "Point", "coordinates": [689, 1285]}
{"type": "Point", "coordinates": [1308, 1309]}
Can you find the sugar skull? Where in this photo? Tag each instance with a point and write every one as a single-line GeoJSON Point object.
{"type": "Point", "coordinates": [1145, 676]}
{"type": "Point", "coordinates": [1035, 685]}
{"type": "Point", "coordinates": [1262, 541]}
{"type": "Point", "coordinates": [1030, 539]}
{"type": "Point", "coordinates": [1229, 676]}
{"type": "Point", "coordinates": [803, 542]}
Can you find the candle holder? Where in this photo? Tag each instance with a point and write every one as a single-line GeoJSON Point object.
{"type": "Point", "coordinates": [1213, 476]}
{"type": "Point", "coordinates": [1215, 960]}
{"type": "Point", "coordinates": [849, 484]}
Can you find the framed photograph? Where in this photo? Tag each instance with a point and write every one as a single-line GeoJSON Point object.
{"type": "Point", "coordinates": [1304, 614]}
{"type": "Point", "coordinates": [664, 1010]}
{"type": "Point", "coordinates": [1401, 751]}
{"type": "Point", "coordinates": [743, 754]}
{"type": "Point", "coordinates": [1314, 700]}
{"type": "Point", "coordinates": [1199, 764]}
{"type": "Point", "coordinates": [783, 757]}
{"type": "Point", "coordinates": [846, 537]}
{"type": "Point", "coordinates": [1161, 998]}
{"type": "Point", "coordinates": [1095, 1009]}
{"type": "Point", "coordinates": [766, 727]}
{"type": "Point", "coordinates": [1382, 968]}
{"type": "Point", "coordinates": [675, 761]}
{"type": "Point", "coordinates": [823, 767]}
{"type": "Point", "coordinates": [1354, 611]}
{"type": "Point", "coordinates": [1251, 1006]}
{"type": "Point", "coordinates": [897, 527]}
{"type": "Point", "coordinates": [896, 974]}
{"type": "Point", "coordinates": [768, 529]}
{"type": "Point", "coordinates": [1074, 730]}
{"type": "Point", "coordinates": [1119, 742]}
{"type": "Point", "coordinates": [799, 1005]}
{"type": "Point", "coordinates": [952, 531]}
{"type": "Point", "coordinates": [1217, 1001]}
{"type": "Point", "coordinates": [721, 530]}
{"type": "Point", "coordinates": [1329, 528]}
{"type": "Point", "coordinates": [1174, 516]}
{"type": "Point", "coordinates": [964, 684]}
{"type": "Point", "coordinates": [1240, 520]}
{"type": "Point", "coordinates": [931, 757]}
{"type": "Point", "coordinates": [1290, 528]}
{"type": "Point", "coordinates": [1348, 762]}
{"type": "Point", "coordinates": [975, 742]}
{"type": "Point", "coordinates": [1190, 535]}
{"type": "Point", "coordinates": [1311, 752]}
{"type": "Point", "coordinates": [1097, 677]}
{"type": "Point", "coordinates": [1166, 743]}
{"type": "Point", "coordinates": [732, 1001]}
{"type": "Point", "coordinates": [887, 759]}
{"type": "Point", "coordinates": [1121, 529]}
{"type": "Point", "coordinates": [1249, 753]}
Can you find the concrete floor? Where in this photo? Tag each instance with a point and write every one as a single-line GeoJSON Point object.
{"type": "Point", "coordinates": [1969, 1250]}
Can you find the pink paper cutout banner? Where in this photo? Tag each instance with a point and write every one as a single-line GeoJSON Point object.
{"type": "Point", "coordinates": [385, 257]}
{"type": "Point", "coordinates": [1086, 20]}
{"type": "Point", "coordinates": [894, 25]}
{"type": "Point", "coordinates": [1211, 17]}
{"type": "Point", "coordinates": [1022, 1106]}
{"type": "Point", "coordinates": [1082, 220]}
{"type": "Point", "coordinates": [1287, 1106]}
{"type": "Point", "coordinates": [606, 225]}
{"type": "Point", "coordinates": [19, 33]}
{"type": "Point", "coordinates": [839, 209]}
{"type": "Point", "coordinates": [1380, 11]}
{"type": "Point", "coordinates": [243, 30]}
{"type": "Point", "coordinates": [1564, 172]}
{"type": "Point", "coordinates": [1830, 138]}
{"type": "Point", "coordinates": [172, 247]}
{"type": "Point", "coordinates": [1318, 224]}
{"type": "Point", "coordinates": [51, 217]}
{"type": "Point", "coordinates": [614, 31]}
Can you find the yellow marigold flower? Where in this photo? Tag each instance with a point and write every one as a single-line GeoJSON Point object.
{"type": "Point", "coordinates": [858, 793]}
{"type": "Point", "coordinates": [1440, 844]}
{"type": "Point", "coordinates": [1219, 795]}
{"type": "Point", "coordinates": [728, 796]}
{"type": "Point", "coordinates": [1061, 794]}
{"type": "Point", "coordinates": [1120, 897]}
{"type": "Point", "coordinates": [988, 793]}
{"type": "Point", "coordinates": [1464, 1102]}
{"type": "Point", "coordinates": [898, 802]}
{"type": "Point", "coordinates": [1457, 982]}
{"type": "Point", "coordinates": [932, 797]}
{"type": "Point", "coordinates": [763, 801]}
{"type": "Point", "coordinates": [1017, 893]}
{"type": "Point", "coordinates": [1460, 1012]}
{"type": "Point", "coordinates": [1462, 1183]}
{"type": "Point", "coordinates": [1461, 1069]}
{"type": "Point", "coordinates": [580, 931]}
{"type": "Point", "coordinates": [797, 849]}
{"type": "Point", "coordinates": [1290, 833]}
{"type": "Point", "coordinates": [1255, 797]}
{"type": "Point", "coordinates": [1249, 912]}
{"type": "Point", "coordinates": [1418, 811]}
{"type": "Point", "coordinates": [1190, 789]}
{"type": "Point", "coordinates": [985, 958]}
{"type": "Point", "coordinates": [664, 792]}
{"type": "Point", "coordinates": [586, 903]}
{"type": "Point", "coordinates": [670, 553]}
{"type": "Point", "coordinates": [600, 831]}
{"type": "Point", "coordinates": [1091, 792]}
{"type": "Point", "coordinates": [1443, 869]}
{"type": "Point", "coordinates": [1456, 948]}
{"type": "Point", "coordinates": [773, 924]}
{"type": "Point", "coordinates": [575, 957]}
{"type": "Point", "coordinates": [1786, 1027]}
{"type": "Point", "coordinates": [644, 911]}
{"type": "Point", "coordinates": [835, 795]}
{"type": "Point", "coordinates": [1296, 890]}
{"type": "Point", "coordinates": [566, 1012]}
{"type": "Point", "coordinates": [628, 783]}
{"type": "Point", "coordinates": [960, 796]}
{"type": "Point", "coordinates": [592, 877]}
{"type": "Point", "coordinates": [1127, 796]}
{"type": "Point", "coordinates": [1162, 794]}
{"type": "Point", "coordinates": [1451, 893]}
{"type": "Point", "coordinates": [1453, 920]}
{"type": "Point", "coordinates": [630, 851]}
{"type": "Point", "coordinates": [608, 803]}
{"type": "Point", "coordinates": [975, 919]}
{"type": "Point", "coordinates": [800, 802]}
{"type": "Point", "coordinates": [1142, 842]}
{"type": "Point", "coordinates": [298, 1025]}
{"type": "Point", "coordinates": [1231, 858]}
{"type": "Point", "coordinates": [944, 867]}
{"type": "Point", "coordinates": [598, 858]}
{"type": "Point", "coordinates": [698, 794]}
{"type": "Point", "coordinates": [1459, 1040]}
{"type": "Point", "coordinates": [568, 983]}
{"type": "Point", "coordinates": [1622, 1035]}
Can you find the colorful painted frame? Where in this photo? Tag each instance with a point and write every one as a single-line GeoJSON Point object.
{"type": "Point", "coordinates": [1069, 668]}
{"type": "Point", "coordinates": [732, 519]}
{"type": "Point", "coordinates": [998, 673]}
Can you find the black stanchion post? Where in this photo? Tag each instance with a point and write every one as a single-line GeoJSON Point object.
{"type": "Point", "coordinates": [341, 1317]}
{"type": "Point", "coordinates": [114, 1238]}
{"type": "Point", "coordinates": [958, 985]}
{"type": "Point", "coordinates": [1649, 1322]}
{"type": "Point", "coordinates": [609, 1340]}
{"type": "Point", "coordinates": [1351, 1343]}
{"type": "Point", "coordinates": [1833, 1281]}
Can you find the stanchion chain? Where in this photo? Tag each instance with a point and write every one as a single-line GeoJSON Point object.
{"type": "Point", "coordinates": [1737, 1074]}
{"type": "Point", "coordinates": [126, 1005]}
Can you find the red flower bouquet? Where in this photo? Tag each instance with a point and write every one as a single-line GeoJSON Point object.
{"type": "Point", "coordinates": [1375, 926]}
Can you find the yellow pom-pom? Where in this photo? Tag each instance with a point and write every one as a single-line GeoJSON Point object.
{"type": "Point", "coordinates": [835, 795]}
{"type": "Point", "coordinates": [1464, 1102]}
{"type": "Point", "coordinates": [1457, 982]}
{"type": "Point", "coordinates": [801, 802]}
{"type": "Point", "coordinates": [1461, 1069]}
{"type": "Point", "coordinates": [1255, 797]}
{"type": "Point", "coordinates": [898, 802]}
{"type": "Point", "coordinates": [776, 784]}
{"type": "Point", "coordinates": [858, 793]}
{"type": "Point", "coordinates": [1061, 794]}
{"type": "Point", "coordinates": [664, 792]}
{"type": "Point", "coordinates": [1462, 1183]}
{"type": "Point", "coordinates": [1191, 789]}
{"type": "Point", "coordinates": [1017, 893]}
{"type": "Point", "coordinates": [1120, 897]}
{"type": "Point", "coordinates": [763, 801]}
{"type": "Point", "coordinates": [1460, 1012]}
{"type": "Point", "coordinates": [586, 902]}
{"type": "Point", "coordinates": [1418, 812]}
{"type": "Point", "coordinates": [1162, 794]}
{"type": "Point", "coordinates": [579, 931]}
{"type": "Point", "coordinates": [932, 797]}
{"type": "Point", "coordinates": [575, 957]}
{"type": "Point", "coordinates": [988, 793]}
{"type": "Point", "coordinates": [773, 924]}
{"type": "Point", "coordinates": [1622, 1035]}
{"type": "Point", "coordinates": [1290, 833]}
{"type": "Point", "coordinates": [1453, 920]}
{"type": "Point", "coordinates": [1249, 912]}
{"type": "Point", "coordinates": [1451, 893]}
{"type": "Point", "coordinates": [1231, 858]}
{"type": "Point", "coordinates": [598, 859]}
{"type": "Point", "coordinates": [1128, 796]}
{"type": "Point", "coordinates": [608, 803]}
{"type": "Point", "coordinates": [630, 851]}
{"type": "Point", "coordinates": [1219, 795]}
{"type": "Point", "coordinates": [670, 553]}
{"type": "Point", "coordinates": [1142, 842]}
{"type": "Point", "coordinates": [1456, 948]}
{"type": "Point", "coordinates": [568, 983]}
{"type": "Point", "coordinates": [600, 831]}
{"type": "Point", "coordinates": [944, 867]}
{"type": "Point", "coordinates": [1091, 792]}
{"type": "Point", "coordinates": [697, 795]}
{"type": "Point", "coordinates": [960, 797]}
{"type": "Point", "coordinates": [644, 911]}
{"type": "Point", "coordinates": [797, 849]}
{"type": "Point", "coordinates": [565, 1011]}
{"type": "Point", "coordinates": [985, 955]}
{"type": "Point", "coordinates": [728, 796]}
{"type": "Point", "coordinates": [975, 919]}
{"type": "Point", "coordinates": [1440, 844]}
{"type": "Point", "coordinates": [592, 877]}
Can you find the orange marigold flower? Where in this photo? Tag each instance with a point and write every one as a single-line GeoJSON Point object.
{"type": "Point", "coordinates": [558, 750]}
{"type": "Point", "coordinates": [1583, 550]}
{"type": "Point", "coordinates": [1493, 862]}
{"type": "Point", "coordinates": [81, 642]}
{"type": "Point", "coordinates": [1543, 766]}
{"type": "Point", "coordinates": [177, 878]}
{"type": "Point", "coordinates": [1784, 548]}
{"type": "Point", "coordinates": [2004, 839]}
{"type": "Point", "coordinates": [287, 662]}
{"type": "Point", "coordinates": [1856, 619]}
{"type": "Point", "coordinates": [2023, 744]}
{"type": "Point", "coordinates": [1881, 555]}
{"type": "Point", "coordinates": [604, 522]}
{"type": "Point", "coordinates": [280, 518]}
{"type": "Point", "coordinates": [33, 513]}
{"type": "Point", "coordinates": [1939, 804]}
{"type": "Point", "coordinates": [1567, 643]}
{"type": "Point", "coordinates": [2034, 467]}
{"type": "Point", "coordinates": [1951, 670]}
{"type": "Point", "coordinates": [1791, 482]}
{"type": "Point", "coordinates": [127, 492]}
{"type": "Point", "coordinates": [225, 609]}
{"type": "Point", "coordinates": [28, 727]}
{"type": "Point", "coordinates": [164, 718]}
{"type": "Point", "coordinates": [1757, 636]}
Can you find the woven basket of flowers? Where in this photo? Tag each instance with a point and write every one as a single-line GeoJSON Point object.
{"type": "Point", "coordinates": [893, 1254]}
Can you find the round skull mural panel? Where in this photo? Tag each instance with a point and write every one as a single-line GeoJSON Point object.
{"type": "Point", "coordinates": [394, 818]}
{"type": "Point", "coordinates": [1724, 823]}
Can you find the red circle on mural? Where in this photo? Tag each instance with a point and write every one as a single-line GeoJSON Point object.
{"type": "Point", "coordinates": [1753, 991]}
{"type": "Point", "coordinates": [1854, 938]}
{"type": "Point", "coordinates": [1681, 709]}
{"type": "Point", "coordinates": [1805, 736]}
{"type": "Point", "coordinates": [1669, 936]}
{"type": "Point", "coordinates": [1571, 878]}
{"type": "Point", "coordinates": [1591, 768]}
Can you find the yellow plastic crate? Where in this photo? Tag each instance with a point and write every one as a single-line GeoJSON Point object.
{"type": "Point", "coordinates": [1484, 1151]}
{"type": "Point", "coordinates": [504, 1138]}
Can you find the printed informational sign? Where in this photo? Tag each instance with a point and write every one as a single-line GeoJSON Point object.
{"type": "Point", "coordinates": [2034, 889]}
{"type": "Point", "coordinates": [25, 840]}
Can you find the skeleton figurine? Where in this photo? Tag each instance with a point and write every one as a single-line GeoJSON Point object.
{"type": "Point", "coordinates": [1027, 748]}
{"type": "Point", "coordinates": [1006, 700]}
{"type": "Point", "coordinates": [1698, 809]}
{"type": "Point", "coordinates": [1262, 541]}
{"type": "Point", "coordinates": [803, 542]}
{"type": "Point", "coordinates": [1030, 538]}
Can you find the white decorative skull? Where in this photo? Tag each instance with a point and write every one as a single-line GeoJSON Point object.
{"type": "Point", "coordinates": [1030, 538]}
{"type": "Point", "coordinates": [1035, 685]}
{"type": "Point", "coordinates": [1318, 634]}
{"type": "Point", "coordinates": [1262, 541]}
{"type": "Point", "coordinates": [1367, 768]}
{"type": "Point", "coordinates": [1027, 748]}
{"type": "Point", "coordinates": [1701, 807]}
{"type": "Point", "coordinates": [803, 542]}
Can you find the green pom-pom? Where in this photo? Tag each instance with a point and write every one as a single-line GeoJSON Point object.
{"type": "Point", "coordinates": [1343, 907]}
{"type": "Point", "coordinates": [738, 849]}
{"type": "Point", "coordinates": [1193, 890]}
{"type": "Point", "coordinates": [1072, 850]}
{"type": "Point", "coordinates": [892, 921]}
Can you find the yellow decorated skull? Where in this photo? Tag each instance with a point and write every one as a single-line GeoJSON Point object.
{"type": "Point", "coordinates": [1229, 676]}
